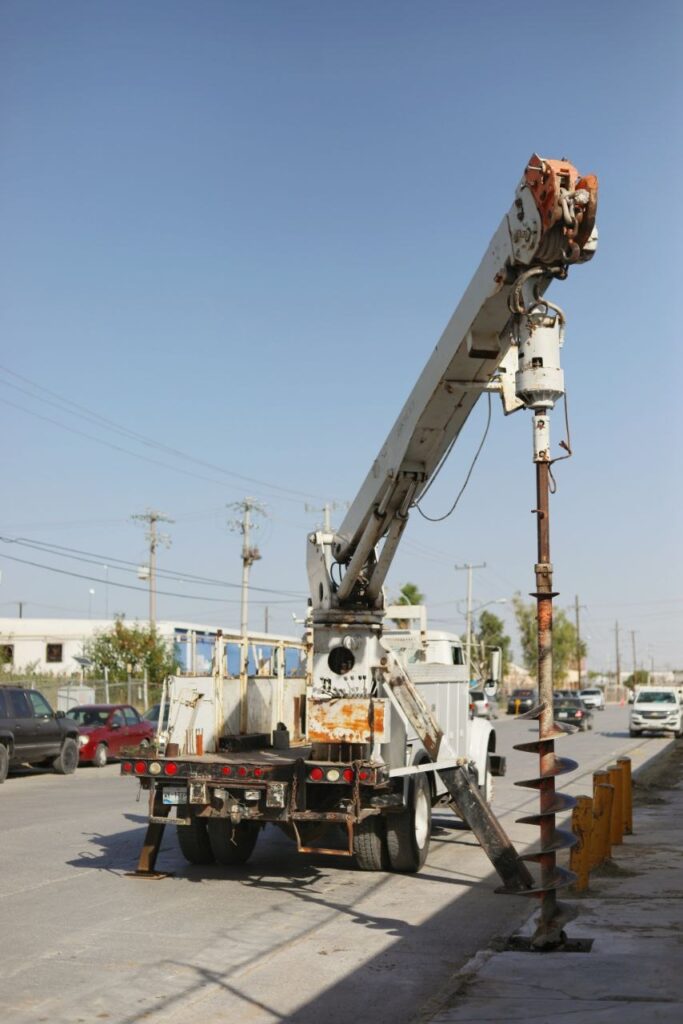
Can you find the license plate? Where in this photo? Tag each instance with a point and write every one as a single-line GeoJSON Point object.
{"type": "Point", "coordinates": [562, 714]}
{"type": "Point", "coordinates": [174, 796]}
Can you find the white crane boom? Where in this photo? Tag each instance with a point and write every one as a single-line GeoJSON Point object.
{"type": "Point", "coordinates": [549, 226]}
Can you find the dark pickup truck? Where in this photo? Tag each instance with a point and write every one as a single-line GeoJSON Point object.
{"type": "Point", "coordinates": [32, 733]}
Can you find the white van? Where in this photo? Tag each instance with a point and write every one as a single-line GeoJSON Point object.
{"type": "Point", "coordinates": [656, 709]}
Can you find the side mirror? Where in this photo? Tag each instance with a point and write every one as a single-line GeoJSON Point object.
{"type": "Point", "coordinates": [60, 714]}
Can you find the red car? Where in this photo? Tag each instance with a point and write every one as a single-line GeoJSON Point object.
{"type": "Point", "coordinates": [106, 728]}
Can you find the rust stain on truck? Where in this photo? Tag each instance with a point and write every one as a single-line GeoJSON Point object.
{"type": "Point", "coordinates": [346, 720]}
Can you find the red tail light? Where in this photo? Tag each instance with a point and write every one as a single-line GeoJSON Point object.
{"type": "Point", "coordinates": [579, 714]}
{"type": "Point", "coordinates": [140, 767]}
{"type": "Point", "coordinates": [316, 774]}
{"type": "Point", "coordinates": [242, 770]}
{"type": "Point", "coordinates": [363, 775]}
{"type": "Point", "coordinates": [347, 775]}
{"type": "Point", "coordinates": [226, 770]}
{"type": "Point", "coordinates": [127, 766]}
{"type": "Point", "coordinates": [171, 768]}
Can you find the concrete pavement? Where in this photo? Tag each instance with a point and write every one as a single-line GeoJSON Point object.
{"type": "Point", "coordinates": [633, 912]}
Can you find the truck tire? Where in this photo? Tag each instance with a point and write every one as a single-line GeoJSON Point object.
{"type": "Point", "coordinates": [99, 759]}
{"type": "Point", "coordinates": [369, 844]}
{"type": "Point", "coordinates": [4, 762]}
{"type": "Point", "coordinates": [66, 761]}
{"type": "Point", "coordinates": [408, 833]}
{"type": "Point", "coordinates": [232, 844]}
{"type": "Point", "coordinates": [193, 841]}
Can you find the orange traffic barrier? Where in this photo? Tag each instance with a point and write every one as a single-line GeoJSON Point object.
{"type": "Point", "coordinates": [616, 778]}
{"type": "Point", "coordinates": [580, 855]}
{"type": "Point", "coordinates": [627, 809]}
{"type": "Point", "coordinates": [603, 800]}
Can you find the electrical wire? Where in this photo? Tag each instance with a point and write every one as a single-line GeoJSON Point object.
{"type": "Point", "coordinates": [287, 493]}
{"type": "Point", "coordinates": [123, 566]}
{"type": "Point", "coordinates": [440, 519]}
{"type": "Point", "coordinates": [129, 586]}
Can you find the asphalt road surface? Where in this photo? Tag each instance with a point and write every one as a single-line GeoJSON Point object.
{"type": "Point", "coordinates": [284, 938]}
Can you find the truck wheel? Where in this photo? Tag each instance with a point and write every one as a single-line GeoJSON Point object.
{"type": "Point", "coordinates": [66, 761]}
{"type": "Point", "coordinates": [369, 844]}
{"type": "Point", "coordinates": [193, 841]}
{"type": "Point", "coordinates": [232, 844]}
{"type": "Point", "coordinates": [633, 732]}
{"type": "Point", "coordinates": [4, 762]}
{"type": "Point", "coordinates": [100, 756]}
{"type": "Point", "coordinates": [408, 833]}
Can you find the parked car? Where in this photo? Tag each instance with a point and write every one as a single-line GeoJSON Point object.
{"type": "Point", "coordinates": [573, 711]}
{"type": "Point", "coordinates": [656, 709]}
{"type": "Point", "coordinates": [152, 715]}
{"type": "Point", "coordinates": [105, 729]}
{"type": "Point", "coordinates": [592, 697]}
{"type": "Point", "coordinates": [32, 733]}
{"type": "Point", "coordinates": [481, 706]}
{"type": "Point", "coordinates": [521, 700]}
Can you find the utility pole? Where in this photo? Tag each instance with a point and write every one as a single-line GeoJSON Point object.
{"type": "Point", "coordinates": [327, 509]}
{"type": "Point", "coordinates": [152, 517]}
{"type": "Point", "coordinates": [469, 567]}
{"type": "Point", "coordinates": [618, 659]}
{"type": "Point", "coordinates": [249, 556]}
{"type": "Point", "coordinates": [577, 607]}
{"type": "Point", "coordinates": [21, 609]}
{"type": "Point", "coordinates": [633, 651]}
{"type": "Point", "coordinates": [265, 619]}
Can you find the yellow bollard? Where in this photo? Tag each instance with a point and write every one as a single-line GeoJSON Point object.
{"type": "Point", "coordinates": [580, 855]}
{"type": "Point", "coordinates": [616, 778]}
{"type": "Point", "coordinates": [625, 765]}
{"type": "Point", "coordinates": [603, 799]}
{"type": "Point", "coordinates": [517, 703]}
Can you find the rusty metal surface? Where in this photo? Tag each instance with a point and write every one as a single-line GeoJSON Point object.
{"type": "Point", "coordinates": [346, 720]}
{"type": "Point", "coordinates": [549, 932]}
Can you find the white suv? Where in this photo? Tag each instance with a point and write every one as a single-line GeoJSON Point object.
{"type": "Point", "coordinates": [656, 709]}
{"type": "Point", "coordinates": [593, 698]}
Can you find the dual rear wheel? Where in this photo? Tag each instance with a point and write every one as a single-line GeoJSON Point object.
{"type": "Point", "coordinates": [217, 841]}
{"type": "Point", "coordinates": [399, 842]}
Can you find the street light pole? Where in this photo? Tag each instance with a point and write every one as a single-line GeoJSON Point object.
{"type": "Point", "coordinates": [469, 567]}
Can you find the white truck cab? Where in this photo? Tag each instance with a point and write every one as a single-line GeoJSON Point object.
{"type": "Point", "coordinates": [656, 709]}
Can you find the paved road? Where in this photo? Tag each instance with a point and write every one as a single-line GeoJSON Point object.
{"type": "Point", "coordinates": [286, 937]}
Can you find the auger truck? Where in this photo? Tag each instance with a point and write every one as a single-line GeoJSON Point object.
{"type": "Point", "coordinates": [378, 731]}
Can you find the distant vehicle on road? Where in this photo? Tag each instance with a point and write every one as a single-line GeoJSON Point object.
{"type": "Point", "coordinates": [152, 715]}
{"type": "Point", "coordinates": [521, 700]}
{"type": "Point", "coordinates": [106, 729]}
{"type": "Point", "coordinates": [481, 706]}
{"type": "Point", "coordinates": [656, 709]}
{"type": "Point", "coordinates": [32, 733]}
{"type": "Point", "coordinates": [592, 697]}
{"type": "Point", "coordinates": [573, 711]}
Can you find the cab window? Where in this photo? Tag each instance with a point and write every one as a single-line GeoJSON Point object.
{"type": "Point", "coordinates": [457, 656]}
{"type": "Point", "coordinates": [19, 705]}
{"type": "Point", "coordinates": [41, 708]}
{"type": "Point", "coordinates": [117, 718]}
{"type": "Point", "coordinates": [131, 716]}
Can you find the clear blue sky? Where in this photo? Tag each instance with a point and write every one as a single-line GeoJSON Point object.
{"type": "Point", "coordinates": [238, 229]}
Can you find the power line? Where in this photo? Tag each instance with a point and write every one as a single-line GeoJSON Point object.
{"type": "Point", "coordinates": [287, 493]}
{"type": "Point", "coordinates": [79, 555]}
{"type": "Point", "coordinates": [129, 586]}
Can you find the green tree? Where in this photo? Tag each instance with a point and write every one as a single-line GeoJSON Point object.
{"type": "Point", "coordinates": [640, 677]}
{"type": "Point", "coordinates": [131, 648]}
{"type": "Point", "coordinates": [409, 593]}
{"type": "Point", "coordinates": [490, 633]}
{"type": "Point", "coordinates": [564, 639]}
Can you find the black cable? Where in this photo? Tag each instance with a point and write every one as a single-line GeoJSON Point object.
{"type": "Point", "coordinates": [129, 586]}
{"type": "Point", "coordinates": [439, 519]}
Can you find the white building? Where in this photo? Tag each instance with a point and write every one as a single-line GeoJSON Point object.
{"type": "Point", "coordinates": [53, 645]}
